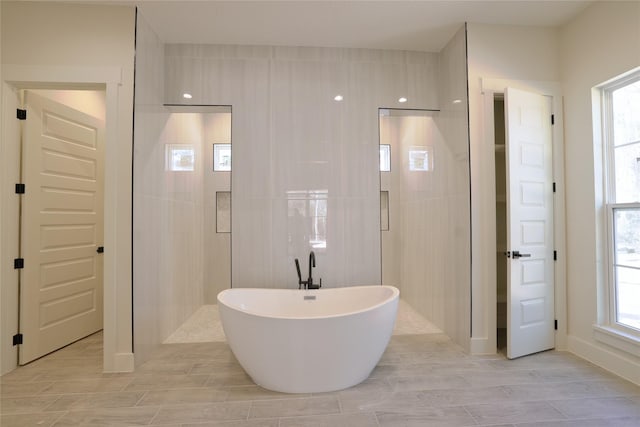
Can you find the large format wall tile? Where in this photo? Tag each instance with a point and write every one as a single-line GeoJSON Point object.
{"type": "Point", "coordinates": [305, 167]}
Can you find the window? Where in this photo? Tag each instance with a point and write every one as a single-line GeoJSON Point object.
{"type": "Point", "coordinates": [221, 157]}
{"type": "Point", "coordinates": [421, 159]}
{"type": "Point", "coordinates": [626, 265]}
{"type": "Point", "coordinates": [385, 158]}
{"type": "Point", "coordinates": [621, 132]}
{"type": "Point", "coordinates": [179, 157]}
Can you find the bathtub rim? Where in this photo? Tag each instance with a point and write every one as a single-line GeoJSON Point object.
{"type": "Point", "coordinates": [395, 294]}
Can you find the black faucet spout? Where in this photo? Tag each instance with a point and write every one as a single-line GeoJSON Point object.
{"type": "Point", "coordinates": [312, 263]}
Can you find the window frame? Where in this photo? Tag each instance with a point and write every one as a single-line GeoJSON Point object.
{"type": "Point", "coordinates": [611, 266]}
{"type": "Point", "coordinates": [217, 148]}
{"type": "Point", "coordinates": [387, 148]}
{"type": "Point", "coordinates": [170, 166]}
{"type": "Point", "coordinates": [611, 331]}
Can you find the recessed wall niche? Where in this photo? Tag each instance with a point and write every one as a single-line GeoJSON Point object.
{"type": "Point", "coordinates": [223, 211]}
{"type": "Point", "coordinates": [384, 211]}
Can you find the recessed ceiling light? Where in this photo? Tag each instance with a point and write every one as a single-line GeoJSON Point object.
{"type": "Point", "coordinates": [338, 98]}
{"type": "Point", "coordinates": [403, 99]}
{"type": "Point", "coordinates": [187, 96]}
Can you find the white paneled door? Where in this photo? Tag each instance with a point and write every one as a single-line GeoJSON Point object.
{"type": "Point", "coordinates": [530, 271]}
{"type": "Point", "coordinates": [62, 227]}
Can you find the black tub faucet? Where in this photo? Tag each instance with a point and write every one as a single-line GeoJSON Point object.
{"type": "Point", "coordinates": [307, 284]}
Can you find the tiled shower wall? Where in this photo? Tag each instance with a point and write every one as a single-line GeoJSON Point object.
{"type": "Point", "coordinates": [305, 176]}
{"type": "Point", "coordinates": [305, 167]}
{"type": "Point", "coordinates": [426, 249]}
{"type": "Point", "coordinates": [451, 294]}
{"type": "Point", "coordinates": [167, 207]}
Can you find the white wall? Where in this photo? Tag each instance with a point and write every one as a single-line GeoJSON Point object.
{"type": "Point", "coordinates": [526, 57]}
{"type": "Point", "coordinates": [290, 136]}
{"type": "Point", "coordinates": [599, 44]}
{"type": "Point", "coordinates": [61, 45]}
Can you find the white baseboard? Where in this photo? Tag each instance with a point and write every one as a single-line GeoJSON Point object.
{"type": "Point", "coordinates": [121, 362]}
{"type": "Point", "coordinates": [482, 346]}
{"type": "Point", "coordinates": [615, 363]}
{"type": "Point", "coordinates": [8, 360]}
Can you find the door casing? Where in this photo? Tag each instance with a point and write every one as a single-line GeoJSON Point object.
{"type": "Point", "coordinates": [483, 339]}
{"type": "Point", "coordinates": [118, 332]}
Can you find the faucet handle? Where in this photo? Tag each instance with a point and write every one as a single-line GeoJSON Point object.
{"type": "Point", "coordinates": [299, 275]}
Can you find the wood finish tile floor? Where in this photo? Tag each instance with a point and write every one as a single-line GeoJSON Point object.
{"type": "Point", "coordinates": [422, 380]}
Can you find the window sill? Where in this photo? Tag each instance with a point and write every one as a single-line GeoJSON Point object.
{"type": "Point", "coordinates": [616, 338]}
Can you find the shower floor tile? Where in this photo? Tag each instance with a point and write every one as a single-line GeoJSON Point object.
{"type": "Point", "coordinates": [204, 325]}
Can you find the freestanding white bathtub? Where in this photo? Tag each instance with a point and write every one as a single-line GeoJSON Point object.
{"type": "Point", "coordinates": [304, 341]}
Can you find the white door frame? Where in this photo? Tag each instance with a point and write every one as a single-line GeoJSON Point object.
{"type": "Point", "coordinates": [118, 354]}
{"type": "Point", "coordinates": [489, 88]}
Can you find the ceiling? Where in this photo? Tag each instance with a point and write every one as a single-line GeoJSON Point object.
{"type": "Point", "coordinates": [396, 24]}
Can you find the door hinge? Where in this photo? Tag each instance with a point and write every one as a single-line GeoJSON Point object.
{"type": "Point", "coordinates": [20, 188]}
{"type": "Point", "coordinates": [100, 249]}
{"type": "Point", "coordinates": [17, 339]}
{"type": "Point", "coordinates": [553, 119]}
{"type": "Point", "coordinates": [555, 255]}
{"type": "Point", "coordinates": [21, 114]}
{"type": "Point", "coordinates": [554, 187]}
{"type": "Point", "coordinates": [18, 263]}
{"type": "Point", "coordinates": [555, 324]}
